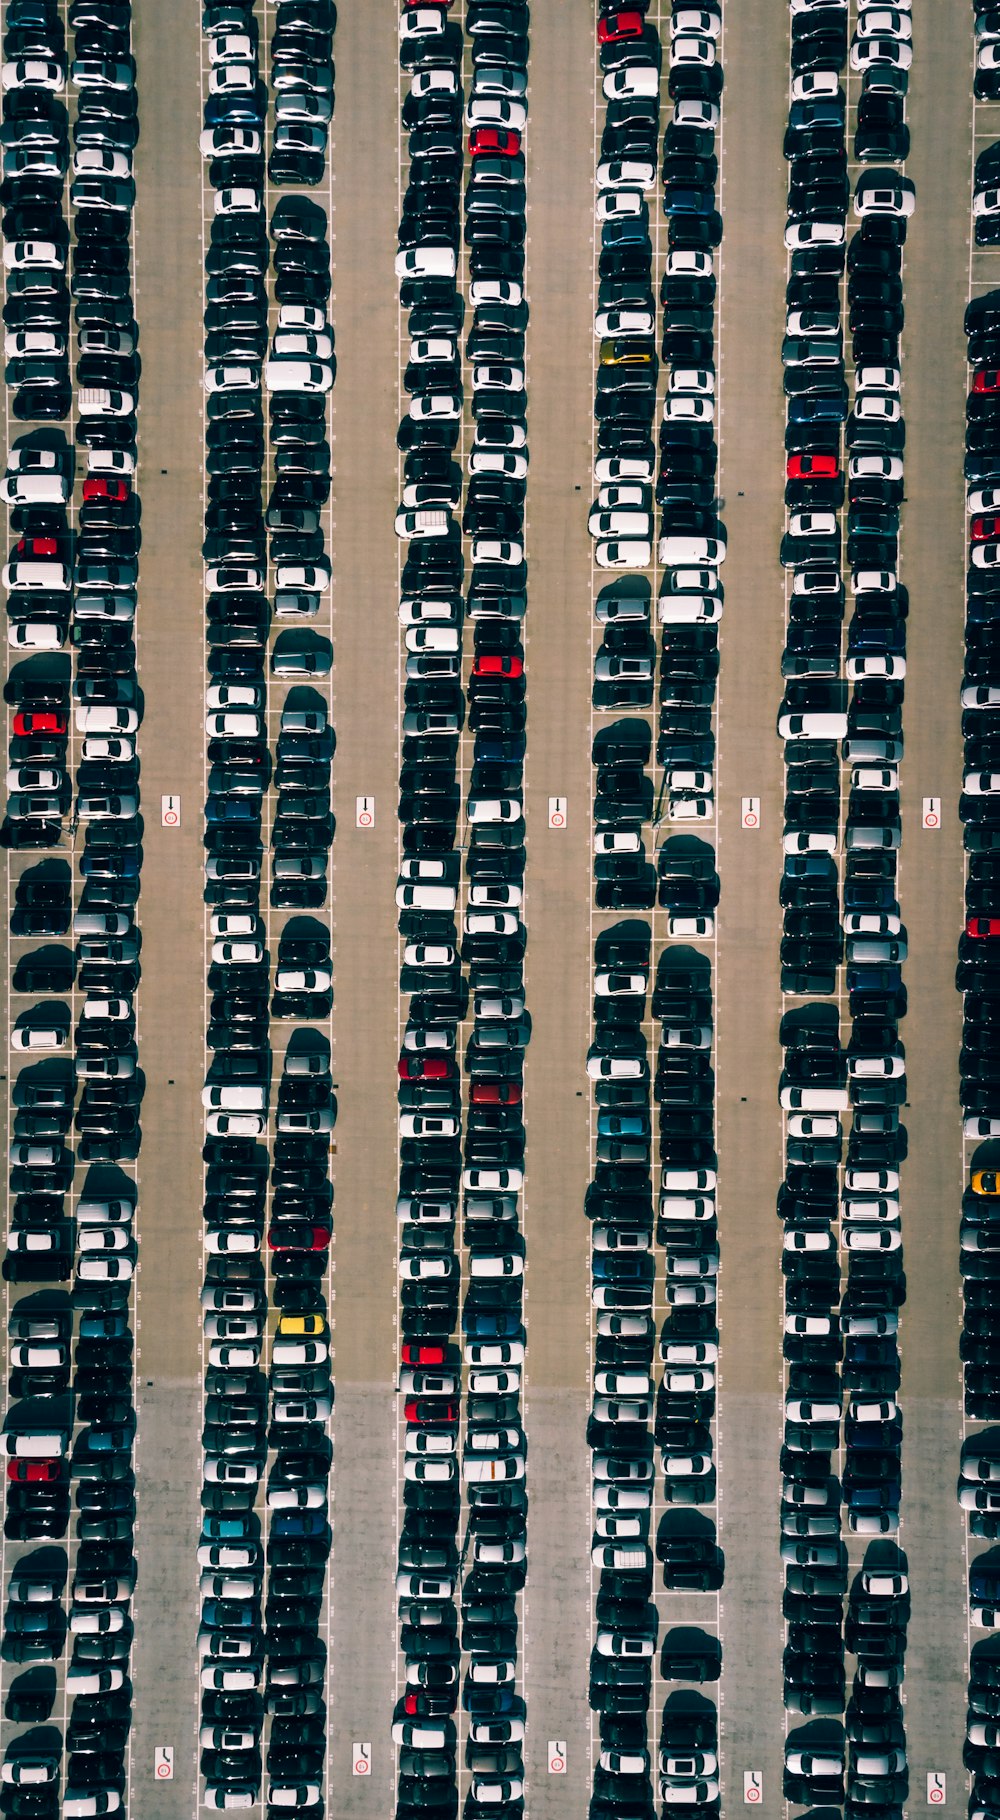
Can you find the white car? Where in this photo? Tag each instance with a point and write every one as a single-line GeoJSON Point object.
{"type": "Point", "coordinates": [696, 20]}
{"type": "Point", "coordinates": [876, 196]}
{"type": "Point", "coordinates": [981, 783]}
{"type": "Point", "coordinates": [33, 72]}
{"type": "Point", "coordinates": [623, 553]}
{"type": "Point", "coordinates": [496, 110]}
{"type": "Point", "coordinates": [867, 52]}
{"type": "Point", "coordinates": [294, 374]}
{"type": "Point", "coordinates": [232, 379]}
{"type": "Point", "coordinates": [884, 22]}
{"type": "Point", "coordinates": [685, 806]}
{"type": "Point", "coordinates": [813, 233]}
{"type": "Point", "coordinates": [639, 79]}
{"type": "Point", "coordinates": [226, 141]}
{"type": "Point", "coordinates": [692, 53]}
{"type": "Point", "coordinates": [613, 205]}
{"type": "Point", "coordinates": [33, 255]}
{"type": "Point", "coordinates": [242, 201]}
{"type": "Point", "coordinates": [625, 319]}
{"type": "Point", "coordinates": [617, 173]}
{"type": "Point", "coordinates": [508, 552]}
{"type": "Point", "coordinates": [443, 406]}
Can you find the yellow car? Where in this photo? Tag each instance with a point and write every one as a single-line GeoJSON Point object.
{"type": "Point", "coordinates": [302, 1325]}
{"type": "Point", "coordinates": [625, 351]}
{"type": "Point", "coordinates": [985, 1181]}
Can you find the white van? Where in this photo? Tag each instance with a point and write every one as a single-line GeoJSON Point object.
{"type": "Point", "coordinates": [20, 1445]}
{"type": "Point", "coordinates": [31, 573]}
{"type": "Point", "coordinates": [50, 489]}
{"type": "Point", "coordinates": [428, 523]}
{"type": "Point", "coordinates": [683, 552]}
{"type": "Point", "coordinates": [430, 261]}
{"type": "Point", "coordinates": [689, 609]}
{"type": "Point", "coordinates": [36, 635]}
{"type": "Point", "coordinates": [426, 897]}
{"type": "Point", "coordinates": [813, 724]}
{"type": "Point", "coordinates": [235, 1096]}
{"type": "Point", "coordinates": [814, 1099]}
{"type": "Point", "coordinates": [104, 401]}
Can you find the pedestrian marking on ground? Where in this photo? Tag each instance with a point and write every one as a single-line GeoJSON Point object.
{"type": "Point", "coordinates": [365, 812]}
{"type": "Point", "coordinates": [931, 817]}
{"type": "Point", "coordinates": [170, 814]}
{"type": "Point", "coordinates": [750, 811]}
{"type": "Point", "coordinates": [557, 811]}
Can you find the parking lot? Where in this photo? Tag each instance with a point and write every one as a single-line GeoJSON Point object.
{"type": "Point", "coordinates": [331, 1669]}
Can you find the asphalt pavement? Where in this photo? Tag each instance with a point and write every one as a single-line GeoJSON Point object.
{"type": "Point", "coordinates": [171, 669]}
{"type": "Point", "coordinates": [558, 1604]}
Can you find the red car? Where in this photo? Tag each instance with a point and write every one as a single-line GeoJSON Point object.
{"type": "Point", "coordinates": [811, 467]}
{"type": "Point", "coordinates": [425, 1068]}
{"type": "Point", "coordinates": [984, 528]}
{"type": "Point", "coordinates": [297, 1235]}
{"type": "Point", "coordinates": [45, 720]}
{"type": "Point", "coordinates": [106, 489]}
{"type": "Point", "coordinates": [987, 927]}
{"type": "Point", "coordinates": [987, 379]}
{"type": "Point", "coordinates": [33, 1472]}
{"type": "Point", "coordinates": [495, 1093]}
{"type": "Point", "coordinates": [36, 546]}
{"type": "Point", "coordinates": [486, 665]}
{"type": "Point", "coordinates": [498, 141]}
{"type": "Point", "coordinates": [413, 1353]}
{"type": "Point", "coordinates": [430, 1409]}
{"type": "Point", "coordinates": [618, 26]}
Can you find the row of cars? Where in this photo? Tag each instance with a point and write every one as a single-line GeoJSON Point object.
{"type": "Point", "coordinates": [268, 1406]}
{"type": "Point", "coordinates": [75, 1356]}
{"type": "Point", "coordinates": [977, 978]}
{"type": "Point", "coordinates": [628, 471]}
{"type": "Point", "coordinates": [458, 1606]}
{"type": "Point", "coordinates": [302, 82]}
{"type": "Point", "coordinates": [979, 811]}
{"type": "Point", "coordinates": [843, 1338]}
{"type": "Point", "coordinates": [71, 1357]}
{"type": "Point", "coordinates": [633, 1413]}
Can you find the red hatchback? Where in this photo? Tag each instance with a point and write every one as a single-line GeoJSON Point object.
{"type": "Point", "coordinates": [106, 489]}
{"type": "Point", "coordinates": [413, 1353]}
{"type": "Point", "coordinates": [618, 26]}
{"type": "Point", "coordinates": [425, 1068]}
{"type": "Point", "coordinates": [987, 380]}
{"type": "Point", "coordinates": [44, 720]}
{"type": "Point", "coordinates": [495, 1093]}
{"type": "Point", "coordinates": [498, 141]}
{"type": "Point", "coordinates": [983, 927]}
{"type": "Point", "coordinates": [36, 546]}
{"type": "Point", "coordinates": [985, 528]}
{"type": "Point", "coordinates": [811, 467]}
{"type": "Point", "coordinates": [33, 1472]}
{"type": "Point", "coordinates": [430, 1409]}
{"type": "Point", "coordinates": [507, 665]}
